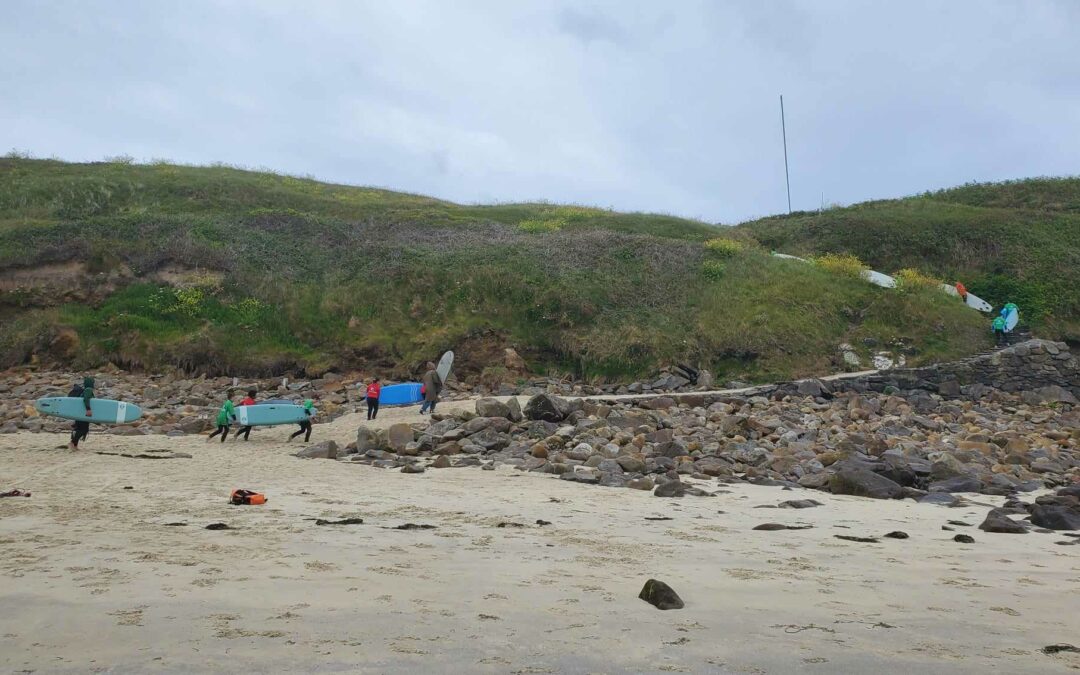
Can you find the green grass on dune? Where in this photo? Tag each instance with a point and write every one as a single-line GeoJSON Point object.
{"type": "Point", "coordinates": [291, 274]}
{"type": "Point", "coordinates": [1013, 242]}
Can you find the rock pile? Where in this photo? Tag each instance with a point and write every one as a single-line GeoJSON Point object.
{"type": "Point", "coordinates": [916, 445]}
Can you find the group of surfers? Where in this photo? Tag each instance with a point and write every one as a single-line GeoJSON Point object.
{"type": "Point", "coordinates": [431, 387]}
{"type": "Point", "coordinates": [1000, 323]}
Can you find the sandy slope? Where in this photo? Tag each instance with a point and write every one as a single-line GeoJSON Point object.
{"type": "Point", "coordinates": [93, 579]}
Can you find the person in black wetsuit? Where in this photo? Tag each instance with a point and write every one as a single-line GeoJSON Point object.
{"type": "Point", "coordinates": [305, 426]}
{"type": "Point", "coordinates": [79, 430]}
{"type": "Point", "coordinates": [246, 431]}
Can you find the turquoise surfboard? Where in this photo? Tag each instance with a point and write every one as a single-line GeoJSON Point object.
{"type": "Point", "coordinates": [271, 414]}
{"type": "Point", "coordinates": [104, 410]}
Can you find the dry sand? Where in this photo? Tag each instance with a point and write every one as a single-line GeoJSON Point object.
{"type": "Point", "coordinates": [93, 580]}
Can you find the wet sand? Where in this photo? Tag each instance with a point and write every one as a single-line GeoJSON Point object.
{"type": "Point", "coordinates": [94, 580]}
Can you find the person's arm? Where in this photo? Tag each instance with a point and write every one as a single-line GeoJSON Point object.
{"type": "Point", "coordinates": [88, 395]}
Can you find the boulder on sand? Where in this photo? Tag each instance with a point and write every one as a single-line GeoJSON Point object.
{"type": "Point", "coordinates": [660, 595]}
{"type": "Point", "coordinates": [864, 483]}
{"type": "Point", "coordinates": [491, 407]}
{"type": "Point", "coordinates": [399, 435]}
{"type": "Point", "coordinates": [324, 450]}
{"type": "Point", "coordinates": [547, 408]}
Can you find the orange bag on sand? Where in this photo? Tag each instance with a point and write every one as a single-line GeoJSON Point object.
{"type": "Point", "coordinates": [242, 497]}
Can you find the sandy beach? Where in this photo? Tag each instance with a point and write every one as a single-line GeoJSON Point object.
{"type": "Point", "coordinates": [96, 578]}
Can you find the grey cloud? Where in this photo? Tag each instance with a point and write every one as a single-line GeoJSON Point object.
{"type": "Point", "coordinates": [669, 107]}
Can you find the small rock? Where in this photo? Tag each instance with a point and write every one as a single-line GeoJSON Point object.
{"type": "Point", "coordinates": [964, 539]}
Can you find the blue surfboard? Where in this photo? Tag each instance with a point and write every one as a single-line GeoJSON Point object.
{"type": "Point", "coordinates": [103, 410]}
{"type": "Point", "coordinates": [401, 394]}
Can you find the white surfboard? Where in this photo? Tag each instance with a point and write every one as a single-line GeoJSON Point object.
{"type": "Point", "coordinates": [879, 279]}
{"type": "Point", "coordinates": [973, 301]}
{"type": "Point", "coordinates": [1012, 317]}
{"type": "Point", "coordinates": [445, 364]}
{"type": "Point", "coordinates": [789, 257]}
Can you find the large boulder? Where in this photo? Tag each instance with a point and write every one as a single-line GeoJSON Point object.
{"type": "Point", "coordinates": [863, 483]}
{"type": "Point", "coordinates": [547, 408]}
{"type": "Point", "coordinates": [324, 450]}
{"type": "Point", "coordinates": [514, 406]}
{"type": "Point", "coordinates": [1056, 517]}
{"type": "Point", "coordinates": [368, 439]}
{"type": "Point", "coordinates": [399, 435]}
{"type": "Point", "coordinates": [491, 407]}
{"type": "Point", "coordinates": [999, 521]}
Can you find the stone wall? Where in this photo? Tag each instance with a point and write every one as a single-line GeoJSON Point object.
{"type": "Point", "coordinates": [1040, 371]}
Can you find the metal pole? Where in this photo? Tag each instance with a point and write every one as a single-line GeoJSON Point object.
{"type": "Point", "coordinates": [787, 178]}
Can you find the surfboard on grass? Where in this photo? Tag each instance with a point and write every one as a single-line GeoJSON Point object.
{"type": "Point", "coordinates": [401, 394]}
{"type": "Point", "coordinates": [270, 414]}
{"type": "Point", "coordinates": [973, 301]}
{"type": "Point", "coordinates": [104, 410]}
{"type": "Point", "coordinates": [879, 279]}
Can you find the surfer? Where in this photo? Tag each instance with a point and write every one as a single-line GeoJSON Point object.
{"type": "Point", "coordinates": [305, 425]}
{"type": "Point", "coordinates": [962, 290]}
{"type": "Point", "coordinates": [225, 417]}
{"type": "Point", "coordinates": [432, 385]}
{"type": "Point", "coordinates": [373, 391]}
{"type": "Point", "coordinates": [81, 429]}
{"type": "Point", "coordinates": [247, 400]}
{"type": "Point", "coordinates": [998, 326]}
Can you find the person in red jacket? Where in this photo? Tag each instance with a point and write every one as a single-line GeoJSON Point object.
{"type": "Point", "coordinates": [373, 391]}
{"type": "Point", "coordinates": [962, 291]}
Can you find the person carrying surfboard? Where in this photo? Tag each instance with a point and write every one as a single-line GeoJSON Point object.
{"type": "Point", "coordinates": [226, 416]}
{"type": "Point", "coordinates": [247, 400]}
{"type": "Point", "coordinates": [962, 290]}
{"type": "Point", "coordinates": [432, 386]}
{"type": "Point", "coordinates": [81, 429]}
{"type": "Point", "coordinates": [305, 425]}
{"type": "Point", "coordinates": [373, 391]}
{"type": "Point", "coordinates": [998, 326]}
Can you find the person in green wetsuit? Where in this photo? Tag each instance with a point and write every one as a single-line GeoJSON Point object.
{"type": "Point", "coordinates": [305, 426]}
{"type": "Point", "coordinates": [226, 416]}
{"type": "Point", "coordinates": [88, 394]}
{"type": "Point", "coordinates": [998, 326]}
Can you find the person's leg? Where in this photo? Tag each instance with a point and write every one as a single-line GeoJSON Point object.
{"type": "Point", "coordinates": [74, 442]}
{"type": "Point", "coordinates": [246, 431]}
{"type": "Point", "coordinates": [375, 409]}
{"type": "Point", "coordinates": [370, 407]}
{"type": "Point", "coordinates": [296, 433]}
{"type": "Point", "coordinates": [307, 436]}
{"type": "Point", "coordinates": [224, 432]}
{"type": "Point", "coordinates": [217, 432]}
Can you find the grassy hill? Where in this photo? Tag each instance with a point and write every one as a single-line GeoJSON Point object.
{"type": "Point", "coordinates": [227, 271]}
{"type": "Point", "coordinates": [1008, 242]}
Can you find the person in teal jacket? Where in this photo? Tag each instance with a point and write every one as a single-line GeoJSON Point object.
{"type": "Point", "coordinates": [88, 394]}
{"type": "Point", "coordinates": [305, 426]}
{"type": "Point", "coordinates": [226, 416]}
{"type": "Point", "coordinates": [998, 326]}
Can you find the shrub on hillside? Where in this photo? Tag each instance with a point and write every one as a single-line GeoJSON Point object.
{"type": "Point", "coordinates": [543, 225]}
{"type": "Point", "coordinates": [841, 264]}
{"type": "Point", "coordinates": [910, 280]}
{"type": "Point", "coordinates": [712, 269]}
{"type": "Point", "coordinates": [723, 248]}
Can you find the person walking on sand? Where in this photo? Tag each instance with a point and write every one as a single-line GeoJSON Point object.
{"type": "Point", "coordinates": [246, 430]}
{"type": "Point", "coordinates": [225, 417]}
{"type": "Point", "coordinates": [432, 386]}
{"type": "Point", "coordinates": [305, 426]}
{"type": "Point", "coordinates": [373, 391]}
{"type": "Point", "coordinates": [81, 429]}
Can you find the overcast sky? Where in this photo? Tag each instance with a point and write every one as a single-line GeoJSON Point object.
{"type": "Point", "coordinates": [659, 106]}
